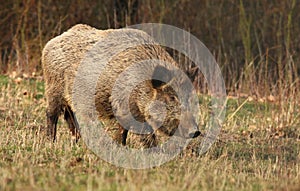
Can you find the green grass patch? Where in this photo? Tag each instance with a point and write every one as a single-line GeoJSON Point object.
{"type": "Point", "coordinates": [4, 80]}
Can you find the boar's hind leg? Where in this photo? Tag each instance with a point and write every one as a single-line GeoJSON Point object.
{"type": "Point", "coordinates": [52, 117]}
{"type": "Point", "coordinates": [72, 122]}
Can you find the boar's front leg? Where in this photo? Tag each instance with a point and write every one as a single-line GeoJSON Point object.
{"type": "Point", "coordinates": [149, 140]}
{"type": "Point", "coordinates": [148, 137]}
{"type": "Point", "coordinates": [121, 135]}
{"type": "Point", "coordinates": [124, 136]}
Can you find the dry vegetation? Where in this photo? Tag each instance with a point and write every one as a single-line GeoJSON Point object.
{"type": "Point", "coordinates": [254, 151]}
{"type": "Point", "coordinates": [257, 46]}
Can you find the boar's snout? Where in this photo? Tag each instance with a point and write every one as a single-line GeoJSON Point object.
{"type": "Point", "coordinates": [188, 132]}
{"type": "Point", "coordinates": [188, 128]}
{"type": "Point", "coordinates": [194, 134]}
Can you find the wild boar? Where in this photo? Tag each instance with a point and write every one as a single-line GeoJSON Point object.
{"type": "Point", "coordinates": [62, 56]}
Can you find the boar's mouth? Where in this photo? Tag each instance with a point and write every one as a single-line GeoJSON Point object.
{"type": "Point", "coordinates": [188, 133]}
{"type": "Point", "coordinates": [181, 132]}
{"type": "Point", "coordinates": [194, 134]}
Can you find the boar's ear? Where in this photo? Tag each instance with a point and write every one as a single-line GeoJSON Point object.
{"type": "Point", "coordinates": [162, 73]}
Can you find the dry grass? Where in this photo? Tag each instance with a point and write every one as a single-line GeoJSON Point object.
{"type": "Point", "coordinates": [257, 150]}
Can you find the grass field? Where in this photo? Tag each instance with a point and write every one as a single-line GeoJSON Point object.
{"type": "Point", "coordinates": [258, 149]}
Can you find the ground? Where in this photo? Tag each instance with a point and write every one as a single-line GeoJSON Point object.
{"type": "Point", "coordinates": [258, 149]}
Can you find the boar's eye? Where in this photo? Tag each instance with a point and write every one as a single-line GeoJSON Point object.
{"type": "Point", "coordinates": [173, 98]}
